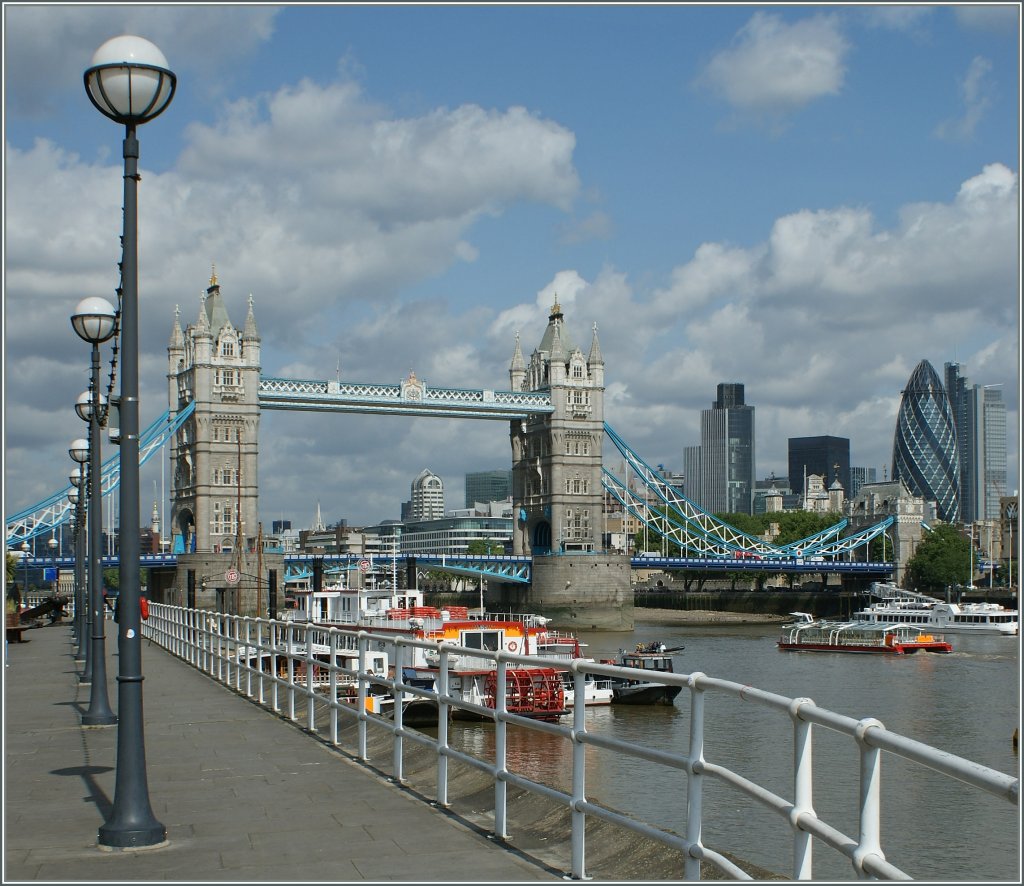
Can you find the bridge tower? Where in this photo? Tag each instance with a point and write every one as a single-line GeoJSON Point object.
{"type": "Point", "coordinates": [214, 487]}
{"type": "Point", "coordinates": [557, 490]}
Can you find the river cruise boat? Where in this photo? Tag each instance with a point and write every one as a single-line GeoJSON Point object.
{"type": "Point", "coordinates": [894, 605]}
{"type": "Point", "coordinates": [653, 659]}
{"type": "Point", "coordinates": [862, 637]}
{"type": "Point", "coordinates": [544, 691]}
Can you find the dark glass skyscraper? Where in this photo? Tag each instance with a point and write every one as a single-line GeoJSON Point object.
{"type": "Point", "coordinates": [924, 450]}
{"type": "Point", "coordinates": [828, 457]}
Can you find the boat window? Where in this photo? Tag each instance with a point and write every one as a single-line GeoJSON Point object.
{"type": "Point", "coordinates": [489, 640]}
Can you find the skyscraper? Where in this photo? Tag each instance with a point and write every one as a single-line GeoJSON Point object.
{"type": "Point", "coordinates": [828, 457]}
{"type": "Point", "coordinates": [427, 497]}
{"type": "Point", "coordinates": [727, 453]}
{"type": "Point", "coordinates": [925, 455]}
{"type": "Point", "coordinates": [979, 416]}
{"type": "Point", "coordinates": [486, 486]}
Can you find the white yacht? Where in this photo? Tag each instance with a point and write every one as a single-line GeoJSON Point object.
{"type": "Point", "coordinates": [894, 605]}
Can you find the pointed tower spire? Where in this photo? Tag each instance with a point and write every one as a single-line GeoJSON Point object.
{"type": "Point", "coordinates": [250, 324]}
{"type": "Point", "coordinates": [177, 337]}
{"type": "Point", "coordinates": [595, 350]}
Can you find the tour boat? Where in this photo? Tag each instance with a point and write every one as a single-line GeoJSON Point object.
{"type": "Point", "coordinates": [857, 636]}
{"type": "Point", "coordinates": [898, 606]}
{"type": "Point", "coordinates": [653, 658]}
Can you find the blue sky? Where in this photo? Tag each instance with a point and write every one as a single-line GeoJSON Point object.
{"type": "Point", "coordinates": [808, 199]}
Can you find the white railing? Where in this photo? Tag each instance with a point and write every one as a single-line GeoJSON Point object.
{"type": "Point", "coordinates": [211, 641]}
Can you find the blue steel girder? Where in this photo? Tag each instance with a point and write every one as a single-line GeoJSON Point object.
{"type": "Point", "coordinates": [50, 513]}
{"type": "Point", "coordinates": [706, 525]}
{"type": "Point", "coordinates": [401, 399]}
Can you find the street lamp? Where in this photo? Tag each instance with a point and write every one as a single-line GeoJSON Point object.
{"type": "Point", "coordinates": [24, 574]}
{"type": "Point", "coordinates": [94, 322]}
{"type": "Point", "coordinates": [52, 545]}
{"type": "Point", "coordinates": [81, 607]}
{"type": "Point", "coordinates": [75, 500]}
{"type": "Point", "coordinates": [129, 82]}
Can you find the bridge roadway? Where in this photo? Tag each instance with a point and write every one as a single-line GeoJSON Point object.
{"type": "Point", "coordinates": [245, 795]}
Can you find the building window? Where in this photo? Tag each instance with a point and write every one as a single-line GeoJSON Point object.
{"type": "Point", "coordinates": [227, 348]}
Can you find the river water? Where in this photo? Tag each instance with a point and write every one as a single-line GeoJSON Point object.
{"type": "Point", "coordinates": [933, 827]}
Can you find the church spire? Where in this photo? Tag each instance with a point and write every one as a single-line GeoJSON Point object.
{"type": "Point", "coordinates": [595, 350]}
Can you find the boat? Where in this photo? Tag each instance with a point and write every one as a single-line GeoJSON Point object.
{"type": "Point", "coordinates": [653, 658]}
{"type": "Point", "coordinates": [894, 605]}
{"type": "Point", "coordinates": [858, 636]}
{"type": "Point", "coordinates": [531, 691]}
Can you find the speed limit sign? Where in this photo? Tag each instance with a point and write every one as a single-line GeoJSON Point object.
{"type": "Point", "coordinates": [231, 576]}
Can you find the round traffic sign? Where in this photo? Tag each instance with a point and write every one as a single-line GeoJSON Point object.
{"type": "Point", "coordinates": [231, 576]}
{"type": "Point", "coordinates": [364, 565]}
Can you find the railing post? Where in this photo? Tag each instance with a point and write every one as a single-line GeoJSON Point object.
{"type": "Point", "coordinates": [332, 682]}
{"type": "Point", "coordinates": [803, 791]}
{"type": "Point", "coordinates": [361, 695]}
{"type": "Point", "coordinates": [870, 842]}
{"type": "Point", "coordinates": [441, 688]}
{"type": "Point", "coordinates": [397, 746]}
{"type": "Point", "coordinates": [579, 778]}
{"type": "Point", "coordinates": [310, 692]}
{"type": "Point", "coordinates": [500, 753]}
{"type": "Point", "coordinates": [695, 777]}
{"type": "Point", "coordinates": [290, 653]}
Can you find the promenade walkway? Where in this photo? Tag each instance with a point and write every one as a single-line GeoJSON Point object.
{"type": "Point", "coordinates": [245, 795]}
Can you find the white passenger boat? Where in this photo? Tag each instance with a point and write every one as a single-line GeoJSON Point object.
{"type": "Point", "coordinates": [894, 605]}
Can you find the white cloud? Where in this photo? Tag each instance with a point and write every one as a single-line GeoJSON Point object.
{"type": "Point", "coordinates": [999, 19]}
{"type": "Point", "coordinates": [774, 68]}
{"type": "Point", "coordinates": [975, 91]}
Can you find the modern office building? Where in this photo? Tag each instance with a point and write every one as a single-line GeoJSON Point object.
{"type": "Point", "coordinates": [979, 416]}
{"type": "Point", "coordinates": [727, 453]}
{"type": "Point", "coordinates": [858, 477]}
{"type": "Point", "coordinates": [828, 457]}
{"type": "Point", "coordinates": [925, 456]}
{"type": "Point", "coordinates": [427, 502]}
{"type": "Point", "coordinates": [485, 486]}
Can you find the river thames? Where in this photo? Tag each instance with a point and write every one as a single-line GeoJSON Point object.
{"type": "Point", "coordinates": [933, 827]}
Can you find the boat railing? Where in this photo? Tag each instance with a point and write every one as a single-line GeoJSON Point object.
{"type": "Point", "coordinates": [210, 642]}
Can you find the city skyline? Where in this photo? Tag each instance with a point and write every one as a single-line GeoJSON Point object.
{"type": "Point", "coordinates": [394, 203]}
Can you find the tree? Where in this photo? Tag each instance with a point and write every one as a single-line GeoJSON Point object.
{"type": "Point", "coordinates": [12, 568]}
{"type": "Point", "coordinates": [943, 558]}
{"type": "Point", "coordinates": [485, 546]}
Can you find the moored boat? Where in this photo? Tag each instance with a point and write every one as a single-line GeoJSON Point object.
{"type": "Point", "coordinates": [652, 658]}
{"type": "Point", "coordinates": [859, 637]}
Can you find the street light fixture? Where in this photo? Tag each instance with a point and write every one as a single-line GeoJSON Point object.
{"type": "Point", "coordinates": [130, 83]}
{"type": "Point", "coordinates": [94, 322]}
{"type": "Point", "coordinates": [81, 607]}
{"type": "Point", "coordinates": [24, 574]}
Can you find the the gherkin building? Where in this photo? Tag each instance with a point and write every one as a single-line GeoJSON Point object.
{"type": "Point", "coordinates": [924, 450]}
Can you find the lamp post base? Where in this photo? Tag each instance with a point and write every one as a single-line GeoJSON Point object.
{"type": "Point", "coordinates": [98, 719]}
{"type": "Point", "coordinates": [111, 836]}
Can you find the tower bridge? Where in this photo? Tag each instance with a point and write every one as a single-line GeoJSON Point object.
{"type": "Point", "coordinates": [555, 413]}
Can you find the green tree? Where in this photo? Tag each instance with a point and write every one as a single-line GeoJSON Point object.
{"type": "Point", "coordinates": [12, 568]}
{"type": "Point", "coordinates": [485, 546]}
{"type": "Point", "coordinates": [943, 558]}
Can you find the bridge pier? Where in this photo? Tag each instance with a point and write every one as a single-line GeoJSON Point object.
{"type": "Point", "coordinates": [588, 592]}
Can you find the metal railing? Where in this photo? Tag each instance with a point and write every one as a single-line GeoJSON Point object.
{"type": "Point", "coordinates": [231, 649]}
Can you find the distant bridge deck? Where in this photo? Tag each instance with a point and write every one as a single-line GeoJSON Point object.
{"type": "Point", "coordinates": [518, 569]}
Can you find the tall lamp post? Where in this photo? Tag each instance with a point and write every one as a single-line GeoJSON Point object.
{"type": "Point", "coordinates": [79, 451]}
{"type": "Point", "coordinates": [52, 545]}
{"type": "Point", "coordinates": [24, 574]}
{"type": "Point", "coordinates": [130, 83]}
{"type": "Point", "coordinates": [93, 321]}
{"type": "Point", "coordinates": [77, 497]}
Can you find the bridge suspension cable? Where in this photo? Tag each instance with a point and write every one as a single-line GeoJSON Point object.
{"type": "Point", "coordinates": [682, 522]}
{"type": "Point", "coordinates": [50, 513]}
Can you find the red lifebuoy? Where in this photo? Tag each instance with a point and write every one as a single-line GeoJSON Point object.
{"type": "Point", "coordinates": [512, 646]}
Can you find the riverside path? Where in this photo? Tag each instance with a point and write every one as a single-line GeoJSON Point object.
{"type": "Point", "coordinates": [245, 795]}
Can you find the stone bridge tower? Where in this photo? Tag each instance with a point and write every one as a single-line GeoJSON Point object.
{"type": "Point", "coordinates": [557, 491]}
{"type": "Point", "coordinates": [214, 487]}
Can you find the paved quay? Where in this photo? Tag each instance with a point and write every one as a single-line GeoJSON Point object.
{"type": "Point", "coordinates": [244, 794]}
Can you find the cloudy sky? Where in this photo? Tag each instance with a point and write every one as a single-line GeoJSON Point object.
{"type": "Point", "coordinates": [805, 199]}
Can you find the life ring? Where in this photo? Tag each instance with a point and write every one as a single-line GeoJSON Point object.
{"type": "Point", "coordinates": [512, 646]}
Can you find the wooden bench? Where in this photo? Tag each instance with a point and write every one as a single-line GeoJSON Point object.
{"type": "Point", "coordinates": [15, 629]}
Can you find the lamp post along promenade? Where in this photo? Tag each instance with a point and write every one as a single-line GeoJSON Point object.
{"type": "Point", "coordinates": [94, 321]}
{"type": "Point", "coordinates": [130, 83]}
